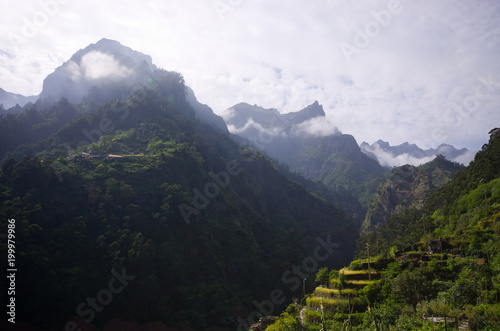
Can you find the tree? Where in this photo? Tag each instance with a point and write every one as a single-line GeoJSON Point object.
{"type": "Point", "coordinates": [341, 283]}
{"type": "Point", "coordinates": [323, 276]}
{"type": "Point", "coordinates": [289, 320]}
{"type": "Point", "coordinates": [412, 286]}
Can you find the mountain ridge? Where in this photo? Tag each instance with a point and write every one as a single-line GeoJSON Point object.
{"type": "Point", "coordinates": [390, 156]}
{"type": "Point", "coordinates": [106, 189]}
{"type": "Point", "coordinates": [310, 145]}
{"type": "Point", "coordinates": [9, 99]}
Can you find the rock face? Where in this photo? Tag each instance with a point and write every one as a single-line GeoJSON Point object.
{"type": "Point", "coordinates": [407, 187]}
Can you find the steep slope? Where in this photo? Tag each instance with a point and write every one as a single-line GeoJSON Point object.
{"type": "Point", "coordinates": [204, 113]}
{"type": "Point", "coordinates": [310, 145]}
{"type": "Point", "coordinates": [437, 267]}
{"type": "Point", "coordinates": [334, 160]}
{"type": "Point", "coordinates": [446, 211]}
{"type": "Point", "coordinates": [407, 187]}
{"type": "Point", "coordinates": [201, 226]}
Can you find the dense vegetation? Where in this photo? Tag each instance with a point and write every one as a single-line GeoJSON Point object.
{"type": "Point", "coordinates": [205, 226]}
{"type": "Point", "coordinates": [205, 233]}
{"type": "Point", "coordinates": [335, 160]}
{"type": "Point", "coordinates": [442, 260]}
{"type": "Point", "coordinates": [408, 187]}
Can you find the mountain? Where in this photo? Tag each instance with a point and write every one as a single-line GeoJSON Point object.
{"type": "Point", "coordinates": [137, 210]}
{"type": "Point", "coordinates": [106, 69]}
{"type": "Point", "coordinates": [9, 100]}
{"type": "Point", "coordinates": [259, 124]}
{"type": "Point", "coordinates": [309, 145]}
{"type": "Point", "coordinates": [93, 76]}
{"type": "Point", "coordinates": [431, 266]}
{"type": "Point", "coordinates": [393, 156]}
{"type": "Point", "coordinates": [204, 113]}
{"type": "Point", "coordinates": [407, 187]}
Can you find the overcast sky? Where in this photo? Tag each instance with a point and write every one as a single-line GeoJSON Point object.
{"type": "Point", "coordinates": [427, 72]}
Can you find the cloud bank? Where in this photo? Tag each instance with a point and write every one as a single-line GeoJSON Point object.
{"type": "Point", "coordinates": [387, 159]}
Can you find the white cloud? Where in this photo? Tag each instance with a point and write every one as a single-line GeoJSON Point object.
{"type": "Point", "coordinates": [74, 71]}
{"type": "Point", "coordinates": [317, 126]}
{"type": "Point", "coordinates": [465, 158]}
{"type": "Point", "coordinates": [387, 159]}
{"type": "Point", "coordinates": [96, 65]}
{"type": "Point", "coordinates": [251, 124]}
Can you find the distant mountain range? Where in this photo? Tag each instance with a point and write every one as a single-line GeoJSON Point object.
{"type": "Point", "coordinates": [406, 153]}
{"type": "Point", "coordinates": [9, 100]}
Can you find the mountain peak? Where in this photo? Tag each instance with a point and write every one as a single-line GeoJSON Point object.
{"type": "Point", "coordinates": [98, 66]}
{"type": "Point", "coordinates": [119, 51]}
{"type": "Point", "coordinates": [106, 41]}
{"type": "Point", "coordinates": [312, 111]}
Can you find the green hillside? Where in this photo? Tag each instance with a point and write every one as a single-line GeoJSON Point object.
{"type": "Point", "coordinates": [202, 226]}
{"type": "Point", "coordinates": [407, 187]}
{"type": "Point", "coordinates": [434, 268]}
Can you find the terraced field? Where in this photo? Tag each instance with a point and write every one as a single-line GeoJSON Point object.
{"type": "Point", "coordinates": [344, 294]}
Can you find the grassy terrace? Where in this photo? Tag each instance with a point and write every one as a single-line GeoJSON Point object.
{"type": "Point", "coordinates": [348, 272]}
{"type": "Point", "coordinates": [337, 304]}
{"type": "Point", "coordinates": [321, 291]}
{"type": "Point", "coordinates": [357, 284]}
{"type": "Point", "coordinates": [336, 301]}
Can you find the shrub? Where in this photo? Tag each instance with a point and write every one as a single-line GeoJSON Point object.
{"type": "Point", "coordinates": [484, 317]}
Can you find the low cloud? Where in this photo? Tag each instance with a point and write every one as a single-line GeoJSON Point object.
{"type": "Point", "coordinates": [465, 158]}
{"type": "Point", "coordinates": [387, 159]}
{"type": "Point", "coordinates": [95, 66]}
{"type": "Point", "coordinates": [252, 125]}
{"type": "Point", "coordinates": [318, 126]}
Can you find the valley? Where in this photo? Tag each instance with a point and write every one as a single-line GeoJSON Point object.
{"type": "Point", "coordinates": [221, 221]}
